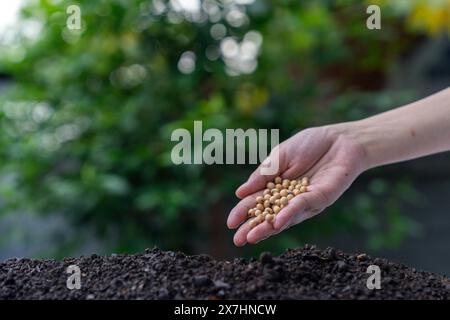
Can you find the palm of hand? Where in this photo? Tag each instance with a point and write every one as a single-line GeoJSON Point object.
{"type": "Point", "coordinates": [331, 160]}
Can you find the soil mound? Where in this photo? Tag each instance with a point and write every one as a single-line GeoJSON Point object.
{"type": "Point", "coordinates": [303, 273]}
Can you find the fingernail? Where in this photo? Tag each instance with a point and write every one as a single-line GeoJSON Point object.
{"type": "Point", "coordinates": [230, 225]}
{"type": "Point", "coordinates": [242, 245]}
{"type": "Point", "coordinates": [241, 187]}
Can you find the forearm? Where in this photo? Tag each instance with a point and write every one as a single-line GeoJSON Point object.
{"type": "Point", "coordinates": [414, 130]}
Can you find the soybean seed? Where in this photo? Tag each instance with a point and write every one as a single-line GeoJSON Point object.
{"type": "Point", "coordinates": [277, 196]}
{"type": "Point", "coordinates": [305, 181]}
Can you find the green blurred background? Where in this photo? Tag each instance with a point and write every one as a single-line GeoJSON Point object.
{"type": "Point", "coordinates": [86, 118]}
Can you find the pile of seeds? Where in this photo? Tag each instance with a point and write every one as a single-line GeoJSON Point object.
{"type": "Point", "coordinates": [275, 197]}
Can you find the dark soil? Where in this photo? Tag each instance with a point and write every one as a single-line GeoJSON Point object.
{"type": "Point", "coordinates": [304, 273]}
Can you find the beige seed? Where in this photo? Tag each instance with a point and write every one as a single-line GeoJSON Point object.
{"type": "Point", "coordinates": [277, 195]}
{"type": "Point", "coordinates": [273, 191]}
{"type": "Point", "coordinates": [279, 187]}
{"type": "Point", "coordinates": [283, 193]}
{"type": "Point", "coordinates": [260, 206]}
{"type": "Point", "coordinates": [259, 199]}
{"type": "Point", "coordinates": [273, 199]}
{"type": "Point", "coordinates": [266, 204]}
{"type": "Point", "coordinates": [266, 192]}
{"type": "Point", "coordinates": [291, 188]}
{"type": "Point", "coordinates": [258, 212]}
{"type": "Point", "coordinates": [251, 212]}
{"type": "Point", "coordinates": [286, 183]}
{"type": "Point", "coordinates": [276, 209]}
{"type": "Point", "coordinates": [303, 189]}
{"type": "Point", "coordinates": [278, 180]}
{"type": "Point", "coordinates": [260, 218]}
{"type": "Point", "coordinates": [284, 200]}
{"type": "Point", "coordinates": [298, 186]}
{"type": "Point", "coordinates": [293, 182]}
{"type": "Point", "coordinates": [296, 192]}
{"type": "Point", "coordinates": [270, 185]}
{"type": "Point", "coordinates": [269, 210]}
{"type": "Point", "coordinates": [305, 181]}
{"type": "Point", "coordinates": [277, 202]}
{"type": "Point", "coordinates": [270, 217]}
{"type": "Point", "coordinates": [290, 196]}
{"type": "Point", "coordinates": [282, 206]}
{"type": "Point", "coordinates": [267, 197]}
{"type": "Point", "coordinates": [253, 223]}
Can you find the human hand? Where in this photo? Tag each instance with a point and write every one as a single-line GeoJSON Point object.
{"type": "Point", "coordinates": [332, 159]}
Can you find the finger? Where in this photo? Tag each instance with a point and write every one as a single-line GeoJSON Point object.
{"type": "Point", "coordinates": [260, 232]}
{"type": "Point", "coordinates": [240, 237]}
{"type": "Point", "coordinates": [239, 213]}
{"type": "Point", "coordinates": [301, 207]}
{"type": "Point", "coordinates": [300, 218]}
{"type": "Point", "coordinates": [296, 206]}
{"type": "Point", "coordinates": [265, 230]}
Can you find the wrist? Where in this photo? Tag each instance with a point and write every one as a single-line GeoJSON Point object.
{"type": "Point", "coordinates": [358, 134]}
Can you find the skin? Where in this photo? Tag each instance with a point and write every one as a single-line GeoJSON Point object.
{"type": "Point", "coordinates": [333, 156]}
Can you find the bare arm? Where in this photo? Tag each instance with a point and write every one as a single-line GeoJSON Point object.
{"type": "Point", "coordinates": [415, 130]}
{"type": "Point", "coordinates": [334, 156]}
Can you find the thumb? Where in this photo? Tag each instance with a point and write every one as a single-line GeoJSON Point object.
{"type": "Point", "coordinates": [267, 171]}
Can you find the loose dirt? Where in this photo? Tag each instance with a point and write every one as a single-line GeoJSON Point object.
{"type": "Point", "coordinates": [303, 273]}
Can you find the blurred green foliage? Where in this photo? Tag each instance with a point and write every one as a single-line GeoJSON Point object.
{"type": "Point", "coordinates": [85, 125]}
